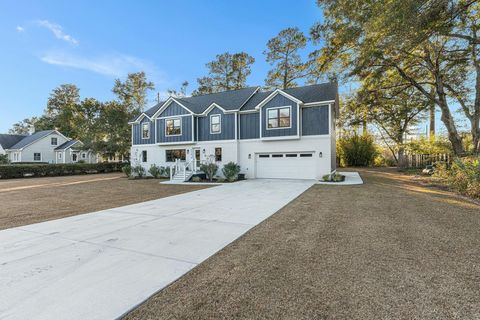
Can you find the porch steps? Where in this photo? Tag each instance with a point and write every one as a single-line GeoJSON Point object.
{"type": "Point", "coordinates": [180, 177]}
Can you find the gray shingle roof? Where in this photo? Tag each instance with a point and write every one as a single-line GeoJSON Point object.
{"type": "Point", "coordinates": [31, 138]}
{"type": "Point", "coordinates": [66, 145]}
{"type": "Point", "coordinates": [234, 99]}
{"type": "Point", "coordinates": [8, 140]}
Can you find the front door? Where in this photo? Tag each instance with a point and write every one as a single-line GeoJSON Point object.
{"type": "Point", "coordinates": [197, 159]}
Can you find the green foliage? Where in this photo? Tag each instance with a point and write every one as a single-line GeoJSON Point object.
{"type": "Point", "coordinates": [4, 159]}
{"type": "Point", "coordinates": [127, 169]}
{"type": "Point", "coordinates": [356, 150]}
{"type": "Point", "coordinates": [23, 127]}
{"type": "Point", "coordinates": [138, 171]}
{"type": "Point", "coordinates": [221, 180]}
{"type": "Point", "coordinates": [282, 54]}
{"type": "Point", "coordinates": [231, 171]}
{"type": "Point", "coordinates": [434, 145]}
{"type": "Point", "coordinates": [210, 168]}
{"type": "Point", "coordinates": [132, 93]}
{"type": "Point", "coordinates": [335, 177]}
{"type": "Point", "coordinates": [41, 170]}
{"type": "Point", "coordinates": [226, 72]}
{"type": "Point", "coordinates": [462, 176]}
{"type": "Point", "coordinates": [196, 179]}
{"type": "Point", "coordinates": [165, 172]}
{"type": "Point", "coordinates": [155, 171]}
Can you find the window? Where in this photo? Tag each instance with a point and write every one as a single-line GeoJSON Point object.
{"type": "Point", "coordinates": [291, 155]}
{"type": "Point", "coordinates": [173, 127]}
{"type": "Point", "coordinates": [172, 155]}
{"type": "Point", "coordinates": [84, 155]}
{"type": "Point", "coordinates": [144, 156]}
{"type": "Point", "coordinates": [264, 156]}
{"type": "Point", "coordinates": [215, 124]}
{"type": "Point", "coordinates": [146, 130]}
{"type": "Point", "coordinates": [277, 155]}
{"type": "Point", "coordinates": [278, 118]}
{"type": "Point", "coordinates": [37, 156]}
{"type": "Point", "coordinates": [74, 157]}
{"type": "Point", "coordinates": [53, 141]}
{"type": "Point", "coordinates": [305, 155]}
{"type": "Point", "coordinates": [59, 155]}
{"type": "Point", "coordinates": [218, 154]}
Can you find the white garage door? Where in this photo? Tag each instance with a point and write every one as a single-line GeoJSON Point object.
{"type": "Point", "coordinates": [286, 165]}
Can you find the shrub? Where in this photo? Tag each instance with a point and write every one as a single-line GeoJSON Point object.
{"type": "Point", "coordinates": [231, 171]}
{"type": "Point", "coordinates": [355, 150]}
{"type": "Point", "coordinates": [155, 171]}
{"type": "Point", "coordinates": [196, 179]}
{"type": "Point", "coordinates": [42, 170]}
{"type": "Point", "coordinates": [127, 169]}
{"type": "Point", "coordinates": [165, 172]}
{"type": "Point", "coordinates": [335, 177]}
{"type": "Point", "coordinates": [220, 179]}
{"type": "Point", "coordinates": [210, 168]}
{"type": "Point", "coordinates": [4, 159]}
{"type": "Point", "coordinates": [138, 171]}
{"type": "Point", "coordinates": [462, 176]}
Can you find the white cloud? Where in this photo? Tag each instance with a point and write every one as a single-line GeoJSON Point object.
{"type": "Point", "coordinates": [20, 29]}
{"type": "Point", "coordinates": [116, 65]}
{"type": "Point", "coordinates": [57, 31]}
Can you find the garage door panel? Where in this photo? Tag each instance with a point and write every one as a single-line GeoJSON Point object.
{"type": "Point", "coordinates": [285, 167]}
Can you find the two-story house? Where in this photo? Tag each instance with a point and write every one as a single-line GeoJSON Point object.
{"type": "Point", "coordinates": [275, 134]}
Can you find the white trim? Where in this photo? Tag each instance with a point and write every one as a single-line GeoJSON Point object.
{"type": "Point", "coordinates": [166, 104]}
{"type": "Point", "coordinates": [176, 116]}
{"type": "Point", "coordinates": [210, 108]}
{"type": "Point", "coordinates": [171, 143]}
{"type": "Point", "coordinates": [244, 103]}
{"type": "Point", "coordinates": [173, 119]}
{"type": "Point", "coordinates": [273, 94]}
{"type": "Point", "coordinates": [318, 103]}
{"type": "Point", "coordinates": [140, 118]}
{"type": "Point", "coordinates": [142, 129]}
{"type": "Point", "coordinates": [248, 111]}
{"type": "Point", "coordinates": [219, 123]}
{"type": "Point", "coordinates": [237, 118]}
{"type": "Point", "coordinates": [281, 138]}
{"type": "Point", "coordinates": [281, 107]}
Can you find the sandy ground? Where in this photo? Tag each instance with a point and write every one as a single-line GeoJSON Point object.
{"type": "Point", "coordinates": [26, 201]}
{"type": "Point", "coordinates": [388, 249]}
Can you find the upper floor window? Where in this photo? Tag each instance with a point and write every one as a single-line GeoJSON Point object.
{"type": "Point", "coordinates": [173, 127]}
{"type": "Point", "coordinates": [215, 124]}
{"type": "Point", "coordinates": [37, 156]}
{"type": "Point", "coordinates": [279, 118]}
{"type": "Point", "coordinates": [146, 130]}
{"type": "Point", "coordinates": [54, 141]}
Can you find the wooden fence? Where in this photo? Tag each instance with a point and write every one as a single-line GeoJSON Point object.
{"type": "Point", "coordinates": [422, 160]}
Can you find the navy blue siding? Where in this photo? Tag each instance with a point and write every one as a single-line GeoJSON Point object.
{"type": "Point", "coordinates": [186, 131]}
{"type": "Point", "coordinates": [174, 109]}
{"type": "Point", "coordinates": [315, 120]}
{"type": "Point", "coordinates": [250, 125]}
{"type": "Point", "coordinates": [280, 101]}
{"type": "Point", "coordinates": [227, 124]}
{"type": "Point", "coordinates": [137, 132]}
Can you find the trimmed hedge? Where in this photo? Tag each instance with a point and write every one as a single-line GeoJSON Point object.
{"type": "Point", "coordinates": [52, 170]}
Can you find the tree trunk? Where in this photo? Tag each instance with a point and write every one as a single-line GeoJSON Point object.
{"type": "Point", "coordinates": [402, 163]}
{"type": "Point", "coordinates": [432, 116]}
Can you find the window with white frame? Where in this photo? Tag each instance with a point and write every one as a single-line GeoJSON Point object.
{"type": "Point", "coordinates": [146, 130]}
{"type": "Point", "coordinates": [54, 141]}
{"type": "Point", "coordinates": [37, 156]}
{"type": "Point", "coordinates": [278, 118]}
{"type": "Point", "coordinates": [84, 155]}
{"type": "Point", "coordinates": [59, 155]}
{"type": "Point", "coordinates": [215, 124]}
{"type": "Point", "coordinates": [173, 127]}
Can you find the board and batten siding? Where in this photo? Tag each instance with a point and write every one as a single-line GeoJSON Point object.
{"type": "Point", "coordinates": [187, 134]}
{"type": "Point", "coordinates": [174, 109]}
{"type": "Point", "coordinates": [227, 124]}
{"type": "Point", "coordinates": [280, 101]}
{"type": "Point", "coordinates": [137, 132]}
{"type": "Point", "coordinates": [315, 120]}
{"type": "Point", "coordinates": [249, 125]}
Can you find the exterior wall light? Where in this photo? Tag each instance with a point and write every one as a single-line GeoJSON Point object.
{"type": "Point", "coordinates": [320, 154]}
{"type": "Point", "coordinates": [203, 151]}
{"type": "Point", "coordinates": [249, 156]}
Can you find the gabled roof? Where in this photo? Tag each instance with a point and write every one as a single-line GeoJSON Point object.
{"type": "Point", "coordinates": [8, 140]}
{"type": "Point", "coordinates": [68, 144]}
{"type": "Point", "coordinates": [31, 138]}
{"type": "Point", "coordinates": [307, 94]}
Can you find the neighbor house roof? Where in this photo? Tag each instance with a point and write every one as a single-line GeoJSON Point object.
{"type": "Point", "coordinates": [8, 140]}
{"type": "Point", "coordinates": [249, 98]}
{"type": "Point", "coordinates": [67, 145]}
{"type": "Point", "coordinates": [31, 138]}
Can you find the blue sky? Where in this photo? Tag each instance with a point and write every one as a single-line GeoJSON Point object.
{"type": "Point", "coordinates": [90, 43]}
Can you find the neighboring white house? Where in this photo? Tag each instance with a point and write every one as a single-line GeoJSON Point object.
{"type": "Point", "coordinates": [45, 146]}
{"type": "Point", "coordinates": [286, 134]}
{"type": "Point", "coordinates": [8, 140]}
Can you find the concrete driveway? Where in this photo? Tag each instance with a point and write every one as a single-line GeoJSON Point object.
{"type": "Point", "coordinates": [100, 265]}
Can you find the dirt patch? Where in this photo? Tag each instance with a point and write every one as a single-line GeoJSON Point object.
{"type": "Point", "coordinates": [388, 249]}
{"type": "Point", "coordinates": [26, 201]}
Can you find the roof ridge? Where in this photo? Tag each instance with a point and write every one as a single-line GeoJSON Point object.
{"type": "Point", "coordinates": [207, 94]}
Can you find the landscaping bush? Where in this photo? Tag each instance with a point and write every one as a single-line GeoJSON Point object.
{"type": "Point", "coordinates": [165, 172]}
{"type": "Point", "coordinates": [51, 170]}
{"type": "Point", "coordinates": [335, 177]}
{"type": "Point", "coordinates": [210, 168]}
{"type": "Point", "coordinates": [231, 171]}
{"type": "Point", "coordinates": [356, 150]}
{"type": "Point", "coordinates": [4, 159]}
{"type": "Point", "coordinates": [138, 171]}
{"type": "Point", "coordinates": [196, 179]}
{"type": "Point", "coordinates": [127, 169]}
{"type": "Point", "coordinates": [155, 171]}
{"type": "Point", "coordinates": [462, 176]}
